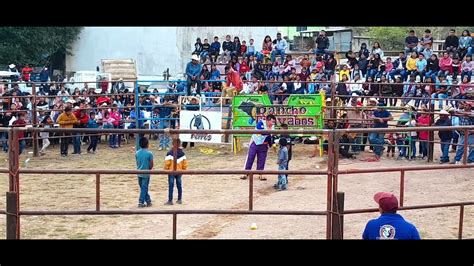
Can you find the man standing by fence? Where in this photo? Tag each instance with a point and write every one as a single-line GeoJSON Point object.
{"type": "Point", "coordinates": [466, 118]}
{"type": "Point", "coordinates": [380, 117]}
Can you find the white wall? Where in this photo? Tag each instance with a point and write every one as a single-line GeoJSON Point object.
{"type": "Point", "coordinates": [153, 48]}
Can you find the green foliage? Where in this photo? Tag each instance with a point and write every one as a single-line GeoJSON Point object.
{"type": "Point", "coordinates": [35, 45]}
{"type": "Point", "coordinates": [390, 38]}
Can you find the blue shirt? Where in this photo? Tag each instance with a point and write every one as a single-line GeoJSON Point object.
{"type": "Point", "coordinates": [390, 226]}
{"type": "Point", "coordinates": [143, 158]}
{"type": "Point", "coordinates": [421, 64]}
{"type": "Point", "coordinates": [381, 114]}
{"type": "Point", "coordinates": [193, 70]}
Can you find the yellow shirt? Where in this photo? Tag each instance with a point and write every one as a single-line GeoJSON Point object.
{"type": "Point", "coordinates": [66, 121]}
{"type": "Point", "coordinates": [411, 64]}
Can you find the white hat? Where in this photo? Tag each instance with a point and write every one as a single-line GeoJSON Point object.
{"type": "Point", "coordinates": [355, 94]}
{"type": "Point", "coordinates": [98, 90]}
{"type": "Point", "coordinates": [77, 107]}
{"type": "Point", "coordinates": [328, 99]}
{"type": "Point", "coordinates": [443, 112]}
{"type": "Point", "coordinates": [372, 100]}
{"type": "Point", "coordinates": [11, 66]}
{"type": "Point", "coordinates": [104, 104]}
{"type": "Point", "coordinates": [195, 57]}
{"type": "Point", "coordinates": [70, 101]}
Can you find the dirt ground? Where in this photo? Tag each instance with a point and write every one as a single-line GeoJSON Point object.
{"type": "Point", "coordinates": [77, 192]}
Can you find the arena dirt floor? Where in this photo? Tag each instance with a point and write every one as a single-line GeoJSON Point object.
{"type": "Point", "coordinates": [226, 192]}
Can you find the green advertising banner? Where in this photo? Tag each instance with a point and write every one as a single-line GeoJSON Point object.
{"type": "Point", "coordinates": [301, 111]}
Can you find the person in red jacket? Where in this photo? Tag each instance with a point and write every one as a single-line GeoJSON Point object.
{"type": "Point", "coordinates": [244, 68]}
{"type": "Point", "coordinates": [233, 82]}
{"type": "Point", "coordinates": [25, 72]}
{"type": "Point", "coordinates": [83, 120]}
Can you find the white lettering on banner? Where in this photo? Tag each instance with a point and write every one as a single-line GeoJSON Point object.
{"type": "Point", "coordinates": [200, 120]}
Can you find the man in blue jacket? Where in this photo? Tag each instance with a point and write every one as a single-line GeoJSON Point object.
{"type": "Point", "coordinates": [193, 72]}
{"type": "Point", "coordinates": [389, 225]}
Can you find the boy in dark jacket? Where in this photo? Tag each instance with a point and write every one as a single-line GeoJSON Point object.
{"type": "Point", "coordinates": [215, 49]}
{"type": "Point", "coordinates": [445, 136]}
{"type": "Point", "coordinates": [227, 49]}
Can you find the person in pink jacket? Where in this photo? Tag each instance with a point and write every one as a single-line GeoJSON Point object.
{"type": "Point", "coordinates": [445, 65]}
{"type": "Point", "coordinates": [424, 121]}
{"type": "Point", "coordinates": [115, 118]}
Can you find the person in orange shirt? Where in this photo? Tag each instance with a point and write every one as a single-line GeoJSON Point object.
{"type": "Point", "coordinates": [66, 120]}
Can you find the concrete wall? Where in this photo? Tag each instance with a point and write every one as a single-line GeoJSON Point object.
{"type": "Point", "coordinates": [153, 48]}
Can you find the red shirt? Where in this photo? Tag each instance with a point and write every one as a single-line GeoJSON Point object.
{"type": "Point", "coordinates": [233, 77]}
{"type": "Point", "coordinates": [425, 122]}
{"type": "Point", "coordinates": [20, 123]}
{"type": "Point", "coordinates": [26, 73]}
{"type": "Point", "coordinates": [243, 49]}
{"type": "Point", "coordinates": [104, 86]}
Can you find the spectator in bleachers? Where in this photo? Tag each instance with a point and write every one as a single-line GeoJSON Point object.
{"type": "Point", "coordinates": [411, 64]}
{"type": "Point", "coordinates": [427, 52]}
{"type": "Point", "coordinates": [227, 49]}
{"type": "Point", "coordinates": [299, 88]}
{"type": "Point", "coordinates": [322, 43]}
{"type": "Point", "coordinates": [456, 67]}
{"type": "Point", "coordinates": [445, 64]}
{"type": "Point", "coordinates": [234, 62]}
{"type": "Point", "coordinates": [409, 89]}
{"type": "Point", "coordinates": [305, 62]}
{"type": "Point", "coordinates": [467, 67]}
{"type": "Point", "coordinates": [205, 75]}
{"type": "Point", "coordinates": [374, 64]}
{"type": "Point", "coordinates": [287, 66]}
{"type": "Point", "coordinates": [376, 49]}
{"type": "Point", "coordinates": [236, 46]}
{"type": "Point", "coordinates": [399, 66]}
{"type": "Point", "coordinates": [465, 44]}
{"type": "Point", "coordinates": [243, 49]}
{"type": "Point", "coordinates": [432, 67]}
{"type": "Point", "coordinates": [250, 49]}
{"type": "Point", "coordinates": [267, 47]}
{"type": "Point", "coordinates": [355, 71]}
{"type": "Point", "coordinates": [363, 50]}
{"type": "Point", "coordinates": [197, 47]}
{"type": "Point", "coordinates": [356, 86]}
{"type": "Point", "coordinates": [351, 58]}
{"type": "Point", "coordinates": [426, 40]}
{"type": "Point", "coordinates": [362, 64]}
{"type": "Point", "coordinates": [345, 71]}
{"type": "Point", "coordinates": [206, 47]}
{"type": "Point", "coordinates": [451, 43]}
{"type": "Point", "coordinates": [442, 90]}
{"type": "Point", "coordinates": [245, 70]}
{"type": "Point", "coordinates": [343, 89]}
{"type": "Point", "coordinates": [397, 89]}
{"type": "Point", "coordinates": [411, 42]}
{"type": "Point", "coordinates": [280, 47]}
{"type": "Point", "coordinates": [385, 89]}
{"type": "Point", "coordinates": [233, 83]}
{"type": "Point", "coordinates": [421, 66]}
{"type": "Point", "coordinates": [193, 69]}
{"type": "Point", "coordinates": [330, 66]}
{"type": "Point", "coordinates": [215, 49]}
{"type": "Point", "coordinates": [215, 73]}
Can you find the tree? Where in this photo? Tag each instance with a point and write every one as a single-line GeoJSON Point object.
{"type": "Point", "coordinates": [390, 38]}
{"type": "Point", "coordinates": [35, 45]}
